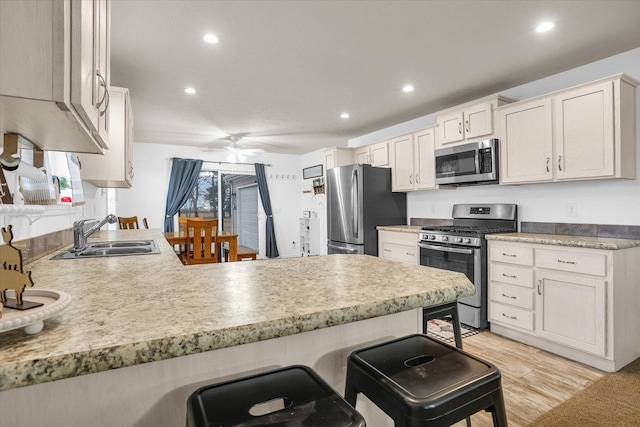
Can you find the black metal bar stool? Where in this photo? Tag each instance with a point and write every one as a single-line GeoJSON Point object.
{"type": "Point", "coordinates": [294, 396]}
{"type": "Point", "coordinates": [419, 381]}
{"type": "Point", "coordinates": [438, 311]}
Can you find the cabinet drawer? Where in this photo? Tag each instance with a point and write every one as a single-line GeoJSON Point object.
{"type": "Point", "coordinates": [512, 316]}
{"type": "Point", "coordinates": [520, 255]}
{"type": "Point", "coordinates": [514, 275]}
{"type": "Point", "coordinates": [573, 261]}
{"type": "Point", "coordinates": [512, 295]}
{"type": "Point", "coordinates": [399, 252]}
{"type": "Point", "coordinates": [399, 237]}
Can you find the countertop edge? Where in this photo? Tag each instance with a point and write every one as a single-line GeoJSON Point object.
{"type": "Point", "coordinates": [100, 360]}
{"type": "Point", "coordinates": [567, 241]}
{"type": "Point", "coordinates": [400, 228]}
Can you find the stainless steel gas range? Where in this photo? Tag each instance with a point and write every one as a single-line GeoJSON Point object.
{"type": "Point", "coordinates": [462, 247]}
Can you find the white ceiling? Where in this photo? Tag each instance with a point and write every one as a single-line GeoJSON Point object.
{"type": "Point", "coordinates": [284, 71]}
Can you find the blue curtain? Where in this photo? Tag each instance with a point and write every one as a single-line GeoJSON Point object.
{"type": "Point", "coordinates": [261, 178]}
{"type": "Point", "coordinates": [184, 177]}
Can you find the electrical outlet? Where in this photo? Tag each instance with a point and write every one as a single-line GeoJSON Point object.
{"type": "Point", "coordinates": [572, 209]}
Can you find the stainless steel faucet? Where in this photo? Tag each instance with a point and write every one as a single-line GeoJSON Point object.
{"type": "Point", "coordinates": [80, 236]}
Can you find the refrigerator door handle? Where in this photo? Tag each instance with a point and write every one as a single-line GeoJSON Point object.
{"type": "Point", "coordinates": [354, 202]}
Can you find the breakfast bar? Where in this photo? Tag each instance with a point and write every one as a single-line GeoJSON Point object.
{"type": "Point", "coordinates": [143, 332]}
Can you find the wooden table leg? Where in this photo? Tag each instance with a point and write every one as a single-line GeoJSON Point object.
{"type": "Point", "coordinates": [233, 250]}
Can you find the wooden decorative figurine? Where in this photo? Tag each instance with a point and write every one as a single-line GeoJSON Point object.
{"type": "Point", "coordinates": [11, 274]}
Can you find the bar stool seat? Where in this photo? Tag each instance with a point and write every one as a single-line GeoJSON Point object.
{"type": "Point", "coordinates": [291, 396]}
{"type": "Point", "coordinates": [419, 381]}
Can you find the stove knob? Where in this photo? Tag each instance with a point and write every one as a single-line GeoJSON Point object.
{"type": "Point", "coordinates": [445, 238]}
{"type": "Point", "coordinates": [432, 237]}
{"type": "Point", "coordinates": [467, 240]}
{"type": "Point", "coordinates": [458, 239]}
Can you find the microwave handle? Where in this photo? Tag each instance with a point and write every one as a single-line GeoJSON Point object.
{"type": "Point", "coordinates": [478, 160]}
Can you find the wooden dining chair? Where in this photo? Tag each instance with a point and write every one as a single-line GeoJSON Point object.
{"type": "Point", "coordinates": [144, 221]}
{"type": "Point", "coordinates": [128, 222]}
{"type": "Point", "coordinates": [205, 236]}
{"type": "Point", "coordinates": [182, 222]}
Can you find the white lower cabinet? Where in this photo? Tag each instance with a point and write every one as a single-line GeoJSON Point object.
{"type": "Point", "coordinates": [398, 246]}
{"type": "Point", "coordinates": [576, 302]}
{"type": "Point", "coordinates": [572, 310]}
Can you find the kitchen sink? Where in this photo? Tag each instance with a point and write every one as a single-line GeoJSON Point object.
{"type": "Point", "coordinates": [109, 249]}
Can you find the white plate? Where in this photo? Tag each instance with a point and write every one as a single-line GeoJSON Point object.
{"type": "Point", "coordinates": [32, 320]}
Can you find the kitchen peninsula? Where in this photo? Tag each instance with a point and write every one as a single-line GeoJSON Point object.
{"type": "Point", "coordinates": [197, 325]}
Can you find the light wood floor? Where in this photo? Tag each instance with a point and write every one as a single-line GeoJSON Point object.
{"type": "Point", "coordinates": [533, 380]}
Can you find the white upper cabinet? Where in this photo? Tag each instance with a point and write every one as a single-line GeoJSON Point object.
{"type": "Point", "coordinates": [412, 161]}
{"type": "Point", "coordinates": [55, 73]}
{"type": "Point", "coordinates": [338, 156]}
{"type": "Point", "coordinates": [469, 123]}
{"type": "Point", "coordinates": [373, 154]}
{"type": "Point", "coordinates": [526, 142]}
{"type": "Point", "coordinates": [113, 169]}
{"type": "Point", "coordinates": [586, 132]}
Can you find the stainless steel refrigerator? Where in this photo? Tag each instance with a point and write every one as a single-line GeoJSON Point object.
{"type": "Point", "coordinates": [359, 198]}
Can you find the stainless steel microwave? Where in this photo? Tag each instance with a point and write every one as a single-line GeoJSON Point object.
{"type": "Point", "coordinates": [466, 164]}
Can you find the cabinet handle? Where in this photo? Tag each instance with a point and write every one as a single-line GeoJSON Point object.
{"type": "Point", "coordinates": [417, 178]}
{"type": "Point", "coordinates": [410, 179]}
{"type": "Point", "coordinates": [409, 253]}
{"type": "Point", "coordinates": [539, 287]}
{"type": "Point", "coordinates": [387, 250]}
{"type": "Point", "coordinates": [560, 163]}
{"type": "Point", "coordinates": [561, 261]}
{"type": "Point", "coordinates": [460, 128]}
{"type": "Point", "coordinates": [509, 276]}
{"type": "Point", "coordinates": [509, 296]}
{"type": "Point", "coordinates": [105, 96]}
{"type": "Point", "coordinates": [509, 255]}
{"type": "Point", "coordinates": [466, 125]}
{"type": "Point", "coordinates": [548, 165]}
{"type": "Point", "coordinates": [510, 317]}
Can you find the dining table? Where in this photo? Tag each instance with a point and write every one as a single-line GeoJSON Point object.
{"type": "Point", "coordinates": [182, 238]}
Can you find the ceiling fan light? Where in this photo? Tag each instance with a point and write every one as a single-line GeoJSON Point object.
{"type": "Point", "coordinates": [231, 158]}
{"type": "Point", "coordinates": [241, 157]}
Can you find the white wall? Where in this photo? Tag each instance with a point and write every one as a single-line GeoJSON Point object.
{"type": "Point", "coordinates": [601, 201]}
{"type": "Point", "coordinates": [147, 197]}
{"type": "Point", "coordinates": [318, 202]}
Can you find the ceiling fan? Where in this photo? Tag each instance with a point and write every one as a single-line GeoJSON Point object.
{"type": "Point", "coordinates": [236, 152]}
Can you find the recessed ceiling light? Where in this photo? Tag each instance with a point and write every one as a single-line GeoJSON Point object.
{"type": "Point", "coordinates": [408, 88]}
{"type": "Point", "coordinates": [190, 90]}
{"type": "Point", "coordinates": [344, 115]}
{"type": "Point", "coordinates": [211, 38]}
{"type": "Point", "coordinates": [545, 26]}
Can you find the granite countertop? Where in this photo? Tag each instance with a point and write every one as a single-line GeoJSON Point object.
{"type": "Point", "coordinates": [564, 240]}
{"type": "Point", "coordinates": [401, 228]}
{"type": "Point", "coordinates": [137, 309]}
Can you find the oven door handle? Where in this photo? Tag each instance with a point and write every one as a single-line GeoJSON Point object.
{"type": "Point", "coordinates": [446, 249]}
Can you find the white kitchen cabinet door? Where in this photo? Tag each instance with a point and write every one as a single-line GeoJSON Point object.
{"type": "Point", "coordinates": [361, 155]}
{"type": "Point", "coordinates": [114, 169]}
{"type": "Point", "coordinates": [379, 154]}
{"type": "Point", "coordinates": [49, 84]}
{"type": "Point", "coordinates": [585, 132]}
{"type": "Point", "coordinates": [423, 159]}
{"type": "Point", "coordinates": [338, 156]}
{"type": "Point", "coordinates": [571, 310]}
{"type": "Point", "coordinates": [89, 65]}
{"type": "Point", "coordinates": [450, 128]}
{"type": "Point", "coordinates": [402, 176]}
{"type": "Point", "coordinates": [478, 121]}
{"type": "Point", "coordinates": [526, 142]}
